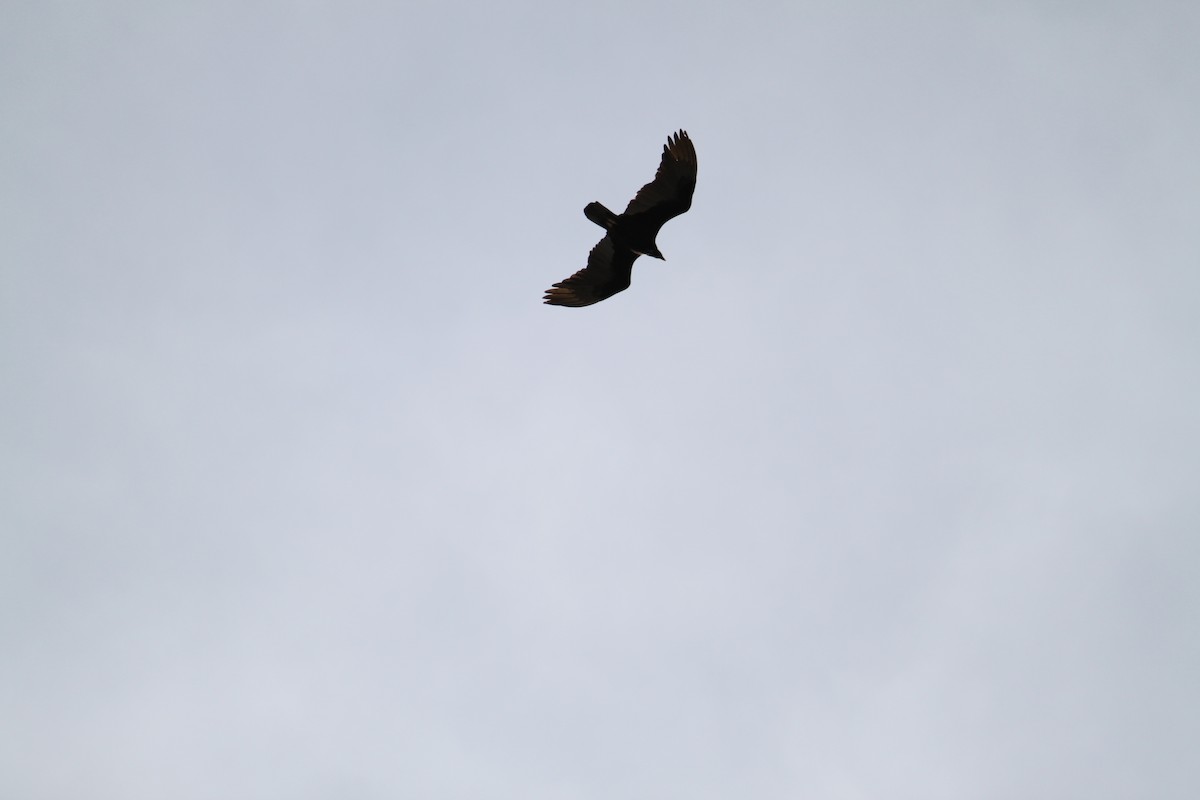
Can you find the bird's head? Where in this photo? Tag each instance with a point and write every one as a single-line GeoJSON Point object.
{"type": "Point", "coordinates": [656, 254]}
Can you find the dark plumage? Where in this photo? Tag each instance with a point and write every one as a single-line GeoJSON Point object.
{"type": "Point", "coordinates": [631, 234]}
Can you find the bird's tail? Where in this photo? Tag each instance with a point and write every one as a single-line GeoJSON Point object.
{"type": "Point", "coordinates": [600, 215]}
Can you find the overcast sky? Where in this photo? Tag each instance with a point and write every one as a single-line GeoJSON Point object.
{"type": "Point", "coordinates": [883, 485]}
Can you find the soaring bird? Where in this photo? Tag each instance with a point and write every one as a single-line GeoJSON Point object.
{"type": "Point", "coordinates": [631, 234]}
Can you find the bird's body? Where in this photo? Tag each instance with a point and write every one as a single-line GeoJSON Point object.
{"type": "Point", "coordinates": [633, 233]}
{"type": "Point", "coordinates": [627, 232]}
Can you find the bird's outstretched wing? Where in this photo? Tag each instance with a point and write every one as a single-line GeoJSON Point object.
{"type": "Point", "coordinates": [607, 272]}
{"type": "Point", "coordinates": [670, 193]}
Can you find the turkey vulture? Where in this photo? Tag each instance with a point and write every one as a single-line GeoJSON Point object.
{"type": "Point", "coordinates": [631, 234]}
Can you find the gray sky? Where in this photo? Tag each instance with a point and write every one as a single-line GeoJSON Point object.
{"type": "Point", "coordinates": [884, 485]}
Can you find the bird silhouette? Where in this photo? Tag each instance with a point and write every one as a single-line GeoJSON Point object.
{"type": "Point", "coordinates": [633, 233]}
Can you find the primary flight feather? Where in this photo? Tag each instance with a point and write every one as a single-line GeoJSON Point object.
{"type": "Point", "coordinates": [632, 233]}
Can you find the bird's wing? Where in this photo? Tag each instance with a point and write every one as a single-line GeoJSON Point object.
{"type": "Point", "coordinates": [670, 193]}
{"type": "Point", "coordinates": [607, 272]}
